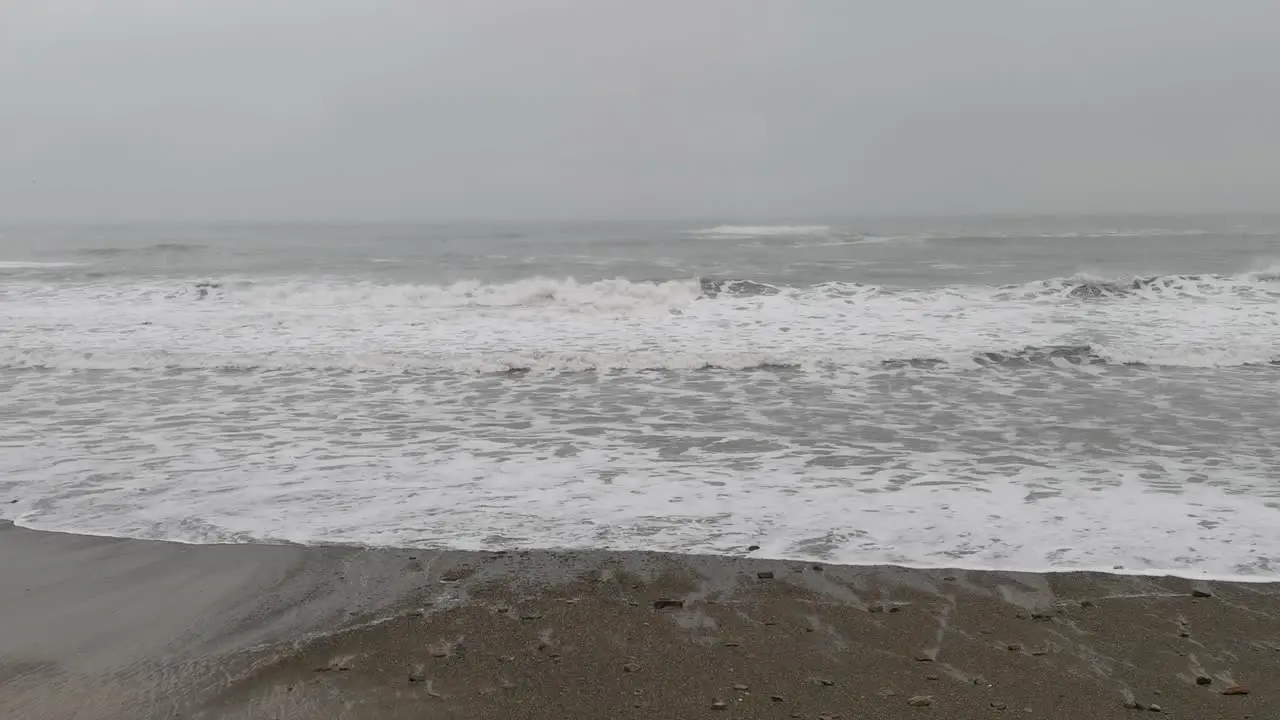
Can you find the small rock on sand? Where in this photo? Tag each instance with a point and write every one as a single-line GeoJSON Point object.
{"type": "Point", "coordinates": [777, 698]}
{"type": "Point", "coordinates": [1155, 708]}
{"type": "Point", "coordinates": [999, 705]}
{"type": "Point", "coordinates": [741, 688]}
{"type": "Point", "coordinates": [1236, 690]}
{"type": "Point", "coordinates": [765, 574]}
{"type": "Point", "coordinates": [1204, 680]}
{"type": "Point", "coordinates": [719, 705]}
{"type": "Point", "coordinates": [1015, 647]}
{"type": "Point", "coordinates": [752, 548]}
{"type": "Point", "coordinates": [921, 701]}
{"type": "Point", "coordinates": [631, 667]}
{"type": "Point", "coordinates": [664, 603]}
{"type": "Point", "coordinates": [924, 657]}
{"type": "Point", "coordinates": [1201, 593]}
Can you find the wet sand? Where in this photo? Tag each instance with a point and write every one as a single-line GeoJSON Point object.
{"type": "Point", "coordinates": [96, 628]}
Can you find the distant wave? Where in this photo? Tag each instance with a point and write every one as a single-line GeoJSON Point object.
{"type": "Point", "coordinates": [750, 231]}
{"type": "Point", "coordinates": [155, 249]}
{"type": "Point", "coordinates": [996, 236]}
{"type": "Point", "coordinates": [31, 265]}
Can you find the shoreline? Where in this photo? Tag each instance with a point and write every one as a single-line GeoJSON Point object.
{"type": "Point", "coordinates": [94, 627]}
{"type": "Point", "coordinates": [738, 552]}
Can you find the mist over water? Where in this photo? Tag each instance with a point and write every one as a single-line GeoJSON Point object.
{"type": "Point", "coordinates": [1033, 393]}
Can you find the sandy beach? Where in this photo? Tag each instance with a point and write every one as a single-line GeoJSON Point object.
{"type": "Point", "coordinates": [99, 628]}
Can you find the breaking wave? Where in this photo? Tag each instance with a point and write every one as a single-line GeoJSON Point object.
{"type": "Point", "coordinates": [517, 363]}
{"type": "Point", "coordinates": [621, 293]}
{"type": "Point", "coordinates": [694, 324]}
{"type": "Point", "coordinates": [1088, 287]}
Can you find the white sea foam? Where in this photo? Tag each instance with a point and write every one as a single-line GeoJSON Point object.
{"type": "Point", "coordinates": [555, 325]}
{"type": "Point", "coordinates": [825, 453]}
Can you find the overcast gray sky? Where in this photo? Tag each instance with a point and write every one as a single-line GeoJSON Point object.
{"type": "Point", "coordinates": [448, 109]}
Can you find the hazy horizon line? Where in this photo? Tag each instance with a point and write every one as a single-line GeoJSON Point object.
{"type": "Point", "coordinates": [713, 220]}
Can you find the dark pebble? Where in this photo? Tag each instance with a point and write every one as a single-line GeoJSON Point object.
{"type": "Point", "coordinates": [817, 568]}
{"type": "Point", "coordinates": [631, 667]}
{"type": "Point", "coordinates": [827, 683]}
{"type": "Point", "coordinates": [895, 609]}
{"type": "Point", "coordinates": [416, 678]}
{"type": "Point", "coordinates": [664, 603]}
{"type": "Point", "coordinates": [765, 574]}
{"type": "Point", "coordinates": [1203, 680]}
{"type": "Point", "coordinates": [777, 698]}
{"type": "Point", "coordinates": [1015, 647]}
{"type": "Point", "coordinates": [752, 548]}
{"type": "Point", "coordinates": [1087, 604]}
{"type": "Point", "coordinates": [1201, 593]}
{"type": "Point", "coordinates": [924, 657]}
{"type": "Point", "coordinates": [999, 705]}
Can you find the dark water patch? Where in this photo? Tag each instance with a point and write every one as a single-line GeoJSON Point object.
{"type": "Point", "coordinates": [712, 287]}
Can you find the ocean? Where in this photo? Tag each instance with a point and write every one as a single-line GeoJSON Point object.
{"type": "Point", "coordinates": [1030, 393]}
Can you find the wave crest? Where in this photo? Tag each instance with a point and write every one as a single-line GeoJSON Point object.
{"type": "Point", "coordinates": [751, 231]}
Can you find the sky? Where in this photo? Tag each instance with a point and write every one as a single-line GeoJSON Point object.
{"type": "Point", "coordinates": [205, 110]}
